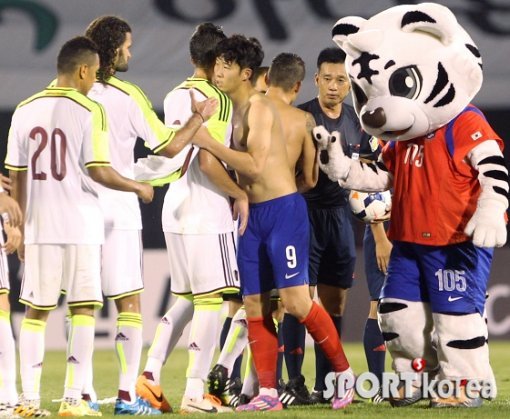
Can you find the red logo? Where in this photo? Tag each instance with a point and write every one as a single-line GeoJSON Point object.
{"type": "Point", "coordinates": [418, 364]}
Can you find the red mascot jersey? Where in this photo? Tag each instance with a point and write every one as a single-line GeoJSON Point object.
{"type": "Point", "coordinates": [435, 187]}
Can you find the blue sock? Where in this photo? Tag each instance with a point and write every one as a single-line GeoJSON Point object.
{"type": "Point", "coordinates": [322, 365]}
{"type": "Point", "coordinates": [294, 343]}
{"type": "Point", "coordinates": [281, 348]}
{"type": "Point", "coordinates": [375, 350]}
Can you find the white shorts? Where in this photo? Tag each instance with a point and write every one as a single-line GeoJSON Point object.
{"type": "Point", "coordinates": [202, 263]}
{"type": "Point", "coordinates": [121, 268]}
{"type": "Point", "coordinates": [4, 268]}
{"type": "Point", "coordinates": [51, 269]}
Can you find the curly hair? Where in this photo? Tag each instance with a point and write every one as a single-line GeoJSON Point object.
{"type": "Point", "coordinates": [245, 52]}
{"type": "Point", "coordinates": [109, 33]}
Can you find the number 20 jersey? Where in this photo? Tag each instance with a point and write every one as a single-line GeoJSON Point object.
{"type": "Point", "coordinates": [55, 136]}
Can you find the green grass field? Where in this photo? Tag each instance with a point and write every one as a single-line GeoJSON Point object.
{"type": "Point", "coordinates": [105, 380]}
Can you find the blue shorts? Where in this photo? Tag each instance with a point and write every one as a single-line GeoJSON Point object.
{"type": "Point", "coordinates": [375, 278]}
{"type": "Point", "coordinates": [273, 251]}
{"type": "Point", "coordinates": [452, 278]}
{"type": "Point", "coordinates": [332, 246]}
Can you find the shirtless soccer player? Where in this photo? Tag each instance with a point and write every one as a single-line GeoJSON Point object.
{"type": "Point", "coordinates": [273, 252]}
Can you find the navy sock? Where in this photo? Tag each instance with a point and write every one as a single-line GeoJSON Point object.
{"type": "Point", "coordinates": [337, 321]}
{"type": "Point", "coordinates": [224, 331]}
{"type": "Point", "coordinates": [281, 349]}
{"type": "Point", "coordinates": [236, 369]}
{"type": "Point", "coordinates": [294, 343]}
{"type": "Point", "coordinates": [375, 349]}
{"type": "Point", "coordinates": [322, 365]}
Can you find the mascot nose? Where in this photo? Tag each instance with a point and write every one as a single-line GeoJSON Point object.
{"type": "Point", "coordinates": [375, 118]}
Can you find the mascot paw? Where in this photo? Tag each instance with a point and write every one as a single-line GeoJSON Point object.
{"type": "Point", "coordinates": [487, 226]}
{"type": "Point", "coordinates": [332, 159]}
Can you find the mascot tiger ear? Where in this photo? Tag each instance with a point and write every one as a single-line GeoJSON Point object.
{"type": "Point", "coordinates": [432, 18]}
{"type": "Point", "coordinates": [344, 28]}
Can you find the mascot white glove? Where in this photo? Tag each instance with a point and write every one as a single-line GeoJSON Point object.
{"type": "Point", "coordinates": [332, 159]}
{"type": "Point", "coordinates": [487, 225]}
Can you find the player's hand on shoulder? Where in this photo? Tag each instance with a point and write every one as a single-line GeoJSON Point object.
{"type": "Point", "coordinates": [206, 108]}
{"type": "Point", "coordinates": [14, 238]}
{"type": "Point", "coordinates": [10, 210]}
{"type": "Point", "coordinates": [145, 192]}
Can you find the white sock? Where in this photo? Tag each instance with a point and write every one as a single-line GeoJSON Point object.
{"type": "Point", "coordinates": [237, 340]}
{"type": "Point", "coordinates": [251, 381]}
{"type": "Point", "coordinates": [31, 354]}
{"type": "Point", "coordinates": [194, 389]}
{"type": "Point", "coordinates": [203, 340]}
{"type": "Point", "coordinates": [128, 345]}
{"type": "Point", "coordinates": [168, 333]}
{"type": "Point", "coordinates": [8, 393]}
{"type": "Point", "coordinates": [80, 347]}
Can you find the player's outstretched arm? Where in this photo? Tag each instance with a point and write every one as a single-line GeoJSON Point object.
{"type": "Point", "coordinates": [202, 111]}
{"type": "Point", "coordinates": [109, 177]}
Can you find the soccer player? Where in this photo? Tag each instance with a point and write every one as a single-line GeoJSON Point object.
{"type": "Point", "coordinates": [332, 248]}
{"type": "Point", "coordinates": [284, 80]}
{"type": "Point", "coordinates": [273, 252]}
{"type": "Point", "coordinates": [225, 378]}
{"type": "Point", "coordinates": [58, 143]}
{"type": "Point", "coordinates": [130, 115]}
{"type": "Point", "coordinates": [199, 232]}
{"type": "Point", "coordinates": [11, 214]}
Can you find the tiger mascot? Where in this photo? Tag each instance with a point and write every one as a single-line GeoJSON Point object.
{"type": "Point", "coordinates": [414, 71]}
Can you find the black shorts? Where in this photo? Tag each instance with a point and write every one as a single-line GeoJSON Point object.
{"type": "Point", "coordinates": [332, 247]}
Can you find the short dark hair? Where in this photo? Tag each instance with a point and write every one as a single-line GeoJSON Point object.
{"type": "Point", "coordinates": [286, 70]}
{"type": "Point", "coordinates": [245, 52]}
{"type": "Point", "coordinates": [203, 42]}
{"type": "Point", "coordinates": [75, 52]}
{"type": "Point", "coordinates": [330, 55]}
{"type": "Point", "coordinates": [259, 71]}
{"type": "Point", "coordinates": [109, 33]}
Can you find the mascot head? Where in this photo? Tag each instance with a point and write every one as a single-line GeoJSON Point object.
{"type": "Point", "coordinates": [413, 68]}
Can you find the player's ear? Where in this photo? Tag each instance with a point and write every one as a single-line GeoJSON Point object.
{"type": "Point", "coordinates": [82, 71]}
{"type": "Point", "coordinates": [316, 79]}
{"type": "Point", "coordinates": [246, 73]}
{"type": "Point", "coordinates": [297, 86]}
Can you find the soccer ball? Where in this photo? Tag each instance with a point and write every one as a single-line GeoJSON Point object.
{"type": "Point", "coordinates": [369, 207]}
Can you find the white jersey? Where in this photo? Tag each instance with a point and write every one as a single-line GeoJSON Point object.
{"type": "Point", "coordinates": [193, 204]}
{"type": "Point", "coordinates": [55, 136]}
{"type": "Point", "coordinates": [130, 115]}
